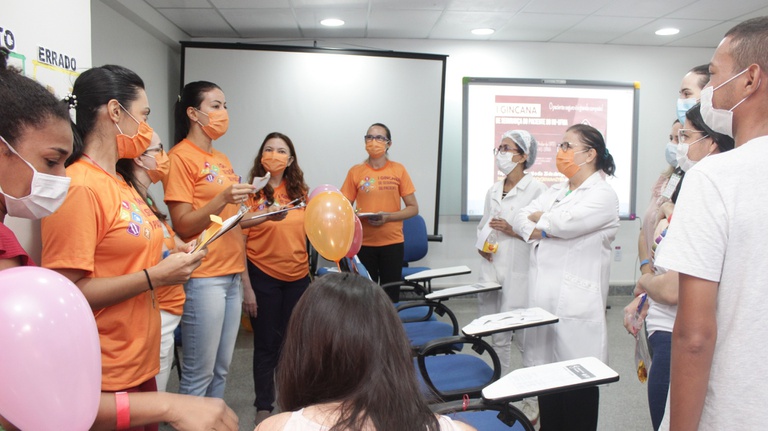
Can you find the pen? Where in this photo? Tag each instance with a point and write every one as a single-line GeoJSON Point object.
{"type": "Point", "coordinates": [642, 303]}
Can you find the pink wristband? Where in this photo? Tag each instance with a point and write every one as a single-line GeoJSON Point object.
{"type": "Point", "coordinates": [123, 410]}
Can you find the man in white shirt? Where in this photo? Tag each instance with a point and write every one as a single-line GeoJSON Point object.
{"type": "Point", "coordinates": [716, 242]}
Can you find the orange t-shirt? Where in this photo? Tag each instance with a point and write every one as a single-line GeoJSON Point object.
{"type": "Point", "coordinates": [170, 298]}
{"type": "Point", "coordinates": [196, 177]}
{"type": "Point", "coordinates": [379, 190]}
{"type": "Point", "coordinates": [106, 229]}
{"type": "Point", "coordinates": [278, 248]}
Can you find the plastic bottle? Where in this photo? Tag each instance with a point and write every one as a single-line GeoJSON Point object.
{"type": "Point", "coordinates": [492, 242]}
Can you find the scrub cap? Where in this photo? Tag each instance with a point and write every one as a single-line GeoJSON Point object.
{"type": "Point", "coordinates": [526, 142]}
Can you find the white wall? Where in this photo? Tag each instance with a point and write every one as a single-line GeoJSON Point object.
{"type": "Point", "coordinates": [658, 69]}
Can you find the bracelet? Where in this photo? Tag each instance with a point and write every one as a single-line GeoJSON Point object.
{"type": "Point", "coordinates": [544, 234]}
{"type": "Point", "coordinates": [122, 404]}
{"type": "Point", "coordinates": [644, 262]}
{"type": "Point", "coordinates": [151, 287]}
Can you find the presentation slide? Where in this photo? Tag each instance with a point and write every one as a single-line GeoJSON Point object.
{"type": "Point", "coordinates": [546, 110]}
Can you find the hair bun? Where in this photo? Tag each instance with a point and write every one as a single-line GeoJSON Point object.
{"type": "Point", "coordinates": [4, 53]}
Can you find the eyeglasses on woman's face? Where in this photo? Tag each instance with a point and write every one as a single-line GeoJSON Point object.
{"type": "Point", "coordinates": [377, 138]}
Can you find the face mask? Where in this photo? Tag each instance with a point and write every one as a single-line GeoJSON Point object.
{"type": "Point", "coordinates": [683, 105]}
{"type": "Point", "coordinates": [375, 149]}
{"type": "Point", "coordinates": [218, 123]}
{"type": "Point", "coordinates": [719, 120]}
{"type": "Point", "coordinates": [157, 166]}
{"type": "Point", "coordinates": [505, 163]}
{"type": "Point", "coordinates": [671, 154]}
{"type": "Point", "coordinates": [47, 193]}
{"type": "Point", "coordinates": [130, 147]}
{"type": "Point", "coordinates": [274, 162]}
{"type": "Point", "coordinates": [682, 154]}
{"type": "Point", "coordinates": [565, 164]}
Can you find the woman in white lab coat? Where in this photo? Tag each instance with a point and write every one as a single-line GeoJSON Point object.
{"type": "Point", "coordinates": [571, 227]}
{"type": "Point", "coordinates": [508, 265]}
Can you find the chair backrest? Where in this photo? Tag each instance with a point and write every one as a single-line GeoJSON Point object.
{"type": "Point", "coordinates": [415, 239]}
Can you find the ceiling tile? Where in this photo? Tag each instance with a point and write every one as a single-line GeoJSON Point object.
{"type": "Point", "coordinates": [645, 35]}
{"type": "Point", "coordinates": [354, 22]}
{"type": "Point", "coordinates": [395, 24]}
{"type": "Point", "coordinates": [718, 9]}
{"type": "Point", "coordinates": [199, 22]}
{"type": "Point", "coordinates": [488, 5]}
{"type": "Point", "coordinates": [565, 7]}
{"type": "Point", "coordinates": [263, 22]}
{"type": "Point", "coordinates": [641, 9]}
{"type": "Point", "coordinates": [330, 4]}
{"type": "Point", "coordinates": [181, 4]}
{"type": "Point", "coordinates": [535, 27]}
{"type": "Point", "coordinates": [410, 4]}
{"type": "Point", "coordinates": [458, 25]}
{"type": "Point", "coordinates": [755, 14]}
{"type": "Point", "coordinates": [600, 29]}
{"type": "Point", "coordinates": [251, 4]}
{"type": "Point", "coordinates": [707, 38]}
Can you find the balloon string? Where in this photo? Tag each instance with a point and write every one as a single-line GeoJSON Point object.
{"type": "Point", "coordinates": [338, 265]}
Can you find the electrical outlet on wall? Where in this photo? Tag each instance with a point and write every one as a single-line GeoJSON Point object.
{"type": "Point", "coordinates": [617, 253]}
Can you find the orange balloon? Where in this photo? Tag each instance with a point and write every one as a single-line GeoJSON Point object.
{"type": "Point", "coordinates": [329, 221]}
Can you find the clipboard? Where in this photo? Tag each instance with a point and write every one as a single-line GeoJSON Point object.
{"type": "Point", "coordinates": [282, 210]}
{"type": "Point", "coordinates": [371, 216]}
{"type": "Point", "coordinates": [217, 228]}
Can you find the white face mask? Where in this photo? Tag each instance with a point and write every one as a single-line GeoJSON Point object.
{"type": "Point", "coordinates": [719, 120]}
{"type": "Point", "coordinates": [683, 105]}
{"type": "Point", "coordinates": [670, 153]}
{"type": "Point", "coordinates": [505, 163]}
{"type": "Point", "coordinates": [47, 193]}
{"type": "Point", "coordinates": [682, 155]}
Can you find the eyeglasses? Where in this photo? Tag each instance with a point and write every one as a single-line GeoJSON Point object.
{"type": "Point", "coordinates": [154, 150]}
{"type": "Point", "coordinates": [504, 149]}
{"type": "Point", "coordinates": [684, 135]}
{"type": "Point", "coordinates": [565, 146]}
{"type": "Point", "coordinates": [377, 138]}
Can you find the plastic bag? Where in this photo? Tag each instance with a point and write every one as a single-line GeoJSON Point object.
{"type": "Point", "coordinates": [642, 355]}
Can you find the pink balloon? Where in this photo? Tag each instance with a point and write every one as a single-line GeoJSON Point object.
{"type": "Point", "coordinates": [50, 377]}
{"type": "Point", "coordinates": [322, 188]}
{"type": "Point", "coordinates": [357, 240]}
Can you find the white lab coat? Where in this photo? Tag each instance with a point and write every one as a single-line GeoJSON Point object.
{"type": "Point", "coordinates": [570, 270]}
{"type": "Point", "coordinates": [511, 261]}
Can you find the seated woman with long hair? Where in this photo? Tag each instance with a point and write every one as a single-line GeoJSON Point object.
{"type": "Point", "coordinates": [346, 364]}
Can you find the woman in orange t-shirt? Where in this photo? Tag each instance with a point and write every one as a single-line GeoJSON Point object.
{"type": "Point", "coordinates": [378, 185]}
{"type": "Point", "coordinates": [149, 168]}
{"type": "Point", "coordinates": [108, 242]}
{"type": "Point", "coordinates": [278, 264]}
{"type": "Point", "coordinates": [201, 183]}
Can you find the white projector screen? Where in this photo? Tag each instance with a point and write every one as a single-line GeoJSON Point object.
{"type": "Point", "coordinates": [546, 108]}
{"type": "Point", "coordinates": [324, 100]}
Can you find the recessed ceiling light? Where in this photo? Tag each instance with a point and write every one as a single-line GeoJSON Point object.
{"type": "Point", "coordinates": [669, 31]}
{"type": "Point", "coordinates": [483, 31]}
{"type": "Point", "coordinates": [332, 22]}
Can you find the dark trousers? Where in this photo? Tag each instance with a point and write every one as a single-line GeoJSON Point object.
{"type": "Point", "coordinates": [384, 265]}
{"type": "Point", "coordinates": [275, 300]}
{"type": "Point", "coordinates": [572, 411]}
{"type": "Point", "coordinates": [658, 378]}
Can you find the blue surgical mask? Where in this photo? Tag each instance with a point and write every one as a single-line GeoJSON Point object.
{"type": "Point", "coordinates": [670, 153]}
{"type": "Point", "coordinates": [683, 105]}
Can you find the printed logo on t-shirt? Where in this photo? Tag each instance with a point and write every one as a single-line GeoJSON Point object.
{"type": "Point", "coordinates": [125, 205]}
{"type": "Point", "coordinates": [147, 233]}
{"type": "Point", "coordinates": [137, 218]}
{"type": "Point", "coordinates": [135, 208]}
{"type": "Point", "coordinates": [125, 215]}
{"type": "Point", "coordinates": [367, 184]}
{"type": "Point", "coordinates": [133, 229]}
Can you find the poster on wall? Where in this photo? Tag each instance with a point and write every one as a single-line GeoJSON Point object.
{"type": "Point", "coordinates": [493, 106]}
{"type": "Point", "coordinates": [49, 41]}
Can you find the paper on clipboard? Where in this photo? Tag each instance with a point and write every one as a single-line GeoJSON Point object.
{"type": "Point", "coordinates": [260, 182]}
{"type": "Point", "coordinates": [281, 210]}
{"type": "Point", "coordinates": [217, 229]}
{"type": "Point", "coordinates": [371, 216]}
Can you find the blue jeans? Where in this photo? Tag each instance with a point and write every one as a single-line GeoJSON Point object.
{"type": "Point", "coordinates": [658, 378]}
{"type": "Point", "coordinates": [209, 328]}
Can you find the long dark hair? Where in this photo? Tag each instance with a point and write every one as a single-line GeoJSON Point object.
{"type": "Point", "coordinates": [294, 176]}
{"type": "Point", "coordinates": [24, 103]}
{"type": "Point", "coordinates": [192, 95]}
{"type": "Point", "coordinates": [592, 137]}
{"type": "Point", "coordinates": [724, 142]}
{"type": "Point", "coordinates": [346, 344]}
{"type": "Point", "coordinates": [94, 88]}
{"type": "Point", "coordinates": [125, 167]}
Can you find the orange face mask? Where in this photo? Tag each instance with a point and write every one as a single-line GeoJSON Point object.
{"type": "Point", "coordinates": [130, 147]}
{"type": "Point", "coordinates": [218, 123]}
{"type": "Point", "coordinates": [375, 149]}
{"type": "Point", "coordinates": [274, 162]}
{"type": "Point", "coordinates": [565, 164]}
{"type": "Point", "coordinates": [162, 167]}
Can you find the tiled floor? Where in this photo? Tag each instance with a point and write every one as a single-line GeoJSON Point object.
{"type": "Point", "coordinates": [623, 405]}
